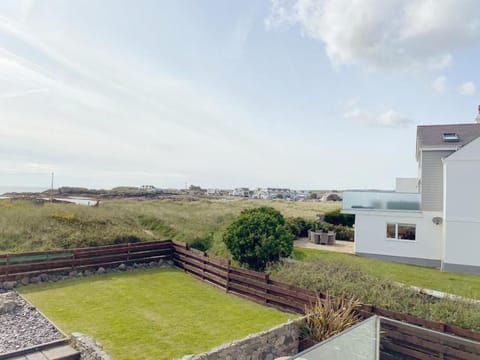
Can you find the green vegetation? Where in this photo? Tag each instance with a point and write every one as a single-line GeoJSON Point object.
{"type": "Point", "coordinates": [351, 276]}
{"type": "Point", "coordinates": [257, 237]}
{"type": "Point", "coordinates": [329, 317]}
{"type": "Point", "coordinates": [337, 218]}
{"type": "Point", "coordinates": [25, 226]}
{"type": "Point", "coordinates": [467, 285]}
{"type": "Point", "coordinates": [152, 314]}
{"type": "Point", "coordinates": [299, 227]}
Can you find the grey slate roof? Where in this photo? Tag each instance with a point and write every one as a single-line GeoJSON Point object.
{"type": "Point", "coordinates": [431, 136]}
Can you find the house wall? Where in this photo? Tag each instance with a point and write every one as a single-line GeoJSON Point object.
{"type": "Point", "coordinates": [432, 179]}
{"type": "Point", "coordinates": [462, 209]}
{"type": "Point", "coordinates": [371, 239]}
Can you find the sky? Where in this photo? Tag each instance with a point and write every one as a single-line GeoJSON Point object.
{"type": "Point", "coordinates": [304, 94]}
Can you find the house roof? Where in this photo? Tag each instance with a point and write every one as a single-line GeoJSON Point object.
{"type": "Point", "coordinates": [432, 136]}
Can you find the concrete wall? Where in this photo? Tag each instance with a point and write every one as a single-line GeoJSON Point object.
{"type": "Point", "coordinates": [431, 184]}
{"type": "Point", "coordinates": [371, 239]}
{"type": "Point", "coordinates": [279, 341]}
{"type": "Point", "coordinates": [462, 209]}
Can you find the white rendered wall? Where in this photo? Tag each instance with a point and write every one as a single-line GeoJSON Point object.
{"type": "Point", "coordinates": [462, 206]}
{"type": "Point", "coordinates": [370, 234]}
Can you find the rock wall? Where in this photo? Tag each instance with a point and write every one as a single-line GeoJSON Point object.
{"type": "Point", "coordinates": [89, 349]}
{"type": "Point", "coordinates": [278, 341]}
{"type": "Point", "coordinates": [55, 275]}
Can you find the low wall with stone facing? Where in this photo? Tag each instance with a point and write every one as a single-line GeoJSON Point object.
{"type": "Point", "coordinates": [281, 340]}
{"type": "Point", "coordinates": [89, 349]}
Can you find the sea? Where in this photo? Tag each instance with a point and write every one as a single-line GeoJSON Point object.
{"type": "Point", "coordinates": [19, 189]}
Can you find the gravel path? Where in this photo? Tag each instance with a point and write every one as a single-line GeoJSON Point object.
{"type": "Point", "coordinates": [24, 327]}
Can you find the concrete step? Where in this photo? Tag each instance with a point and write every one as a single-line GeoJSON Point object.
{"type": "Point", "coordinates": [60, 352]}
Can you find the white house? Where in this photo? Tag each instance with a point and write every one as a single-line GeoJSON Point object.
{"type": "Point", "coordinates": [431, 220]}
{"type": "Point", "coordinates": [273, 193]}
{"type": "Point", "coordinates": [242, 192]}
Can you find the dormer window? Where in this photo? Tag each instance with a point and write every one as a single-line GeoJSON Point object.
{"type": "Point", "coordinates": [450, 137]}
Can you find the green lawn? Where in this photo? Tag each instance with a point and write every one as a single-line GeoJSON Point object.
{"type": "Point", "coordinates": [152, 314]}
{"type": "Point", "coordinates": [467, 285]}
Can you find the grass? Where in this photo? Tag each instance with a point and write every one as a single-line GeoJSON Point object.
{"type": "Point", "coordinates": [351, 277]}
{"type": "Point", "coordinates": [467, 285]}
{"type": "Point", "coordinates": [151, 314]}
{"type": "Point", "coordinates": [25, 226]}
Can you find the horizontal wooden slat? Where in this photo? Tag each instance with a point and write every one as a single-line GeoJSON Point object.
{"type": "Point", "coordinates": [249, 273]}
{"type": "Point", "coordinates": [248, 281]}
{"type": "Point", "coordinates": [402, 350]}
{"type": "Point", "coordinates": [28, 267]}
{"type": "Point", "coordinates": [107, 255]}
{"type": "Point", "coordinates": [422, 333]}
{"type": "Point", "coordinates": [433, 347]}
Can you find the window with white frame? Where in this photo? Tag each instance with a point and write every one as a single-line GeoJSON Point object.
{"type": "Point", "coordinates": [401, 231]}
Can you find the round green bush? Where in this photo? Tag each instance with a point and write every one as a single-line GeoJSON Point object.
{"type": "Point", "coordinates": [257, 237]}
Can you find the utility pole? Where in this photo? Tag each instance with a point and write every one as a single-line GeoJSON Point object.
{"type": "Point", "coordinates": [51, 190]}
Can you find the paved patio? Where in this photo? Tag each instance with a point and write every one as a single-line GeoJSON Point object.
{"type": "Point", "coordinates": [340, 246]}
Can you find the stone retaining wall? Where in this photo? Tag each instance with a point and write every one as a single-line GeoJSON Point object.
{"type": "Point", "coordinates": [58, 276]}
{"type": "Point", "coordinates": [89, 349]}
{"type": "Point", "coordinates": [281, 340]}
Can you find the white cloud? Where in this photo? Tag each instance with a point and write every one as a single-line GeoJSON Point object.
{"type": "Point", "coordinates": [394, 34]}
{"type": "Point", "coordinates": [439, 85]}
{"type": "Point", "coordinates": [16, 94]}
{"type": "Point", "coordinates": [389, 118]}
{"type": "Point", "coordinates": [110, 112]}
{"type": "Point", "coordinates": [467, 88]}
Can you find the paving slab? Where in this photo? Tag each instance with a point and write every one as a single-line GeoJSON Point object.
{"type": "Point", "coordinates": [60, 352]}
{"type": "Point", "coordinates": [36, 356]}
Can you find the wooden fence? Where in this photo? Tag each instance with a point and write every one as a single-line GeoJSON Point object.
{"type": "Point", "coordinates": [16, 266]}
{"type": "Point", "coordinates": [404, 341]}
{"type": "Point", "coordinates": [249, 284]}
{"type": "Point", "coordinates": [253, 285]}
{"type": "Point", "coordinates": [260, 288]}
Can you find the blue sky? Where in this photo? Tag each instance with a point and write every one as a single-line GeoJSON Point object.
{"type": "Point", "coordinates": [304, 94]}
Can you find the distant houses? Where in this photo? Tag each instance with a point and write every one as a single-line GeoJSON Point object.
{"type": "Point", "coordinates": [241, 192]}
{"type": "Point", "coordinates": [274, 193]}
{"type": "Point", "coordinates": [331, 196]}
{"type": "Point", "coordinates": [280, 194]}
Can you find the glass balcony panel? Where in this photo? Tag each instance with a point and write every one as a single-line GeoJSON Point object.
{"type": "Point", "coordinates": [380, 200]}
{"type": "Point", "coordinates": [358, 342]}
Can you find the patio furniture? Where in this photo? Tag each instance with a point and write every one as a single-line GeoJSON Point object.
{"type": "Point", "coordinates": [323, 238]}
{"type": "Point", "coordinates": [331, 238]}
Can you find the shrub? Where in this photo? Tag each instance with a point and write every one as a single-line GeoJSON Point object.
{"type": "Point", "coordinates": [258, 236]}
{"type": "Point", "coordinates": [123, 239]}
{"type": "Point", "coordinates": [337, 218]}
{"type": "Point", "coordinates": [202, 243]}
{"type": "Point", "coordinates": [329, 317]}
{"type": "Point", "coordinates": [298, 226]}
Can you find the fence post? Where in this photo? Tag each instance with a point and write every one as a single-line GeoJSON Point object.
{"type": "Point", "coordinates": [267, 279]}
{"type": "Point", "coordinates": [128, 254]}
{"type": "Point", "coordinates": [204, 264]}
{"type": "Point", "coordinates": [228, 277]}
{"type": "Point", "coordinates": [7, 265]}
{"type": "Point", "coordinates": [73, 260]}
